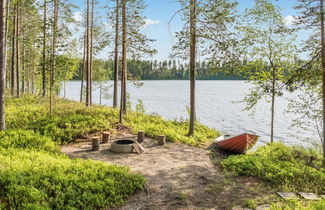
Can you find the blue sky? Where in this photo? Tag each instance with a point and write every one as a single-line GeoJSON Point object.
{"type": "Point", "coordinates": [159, 12]}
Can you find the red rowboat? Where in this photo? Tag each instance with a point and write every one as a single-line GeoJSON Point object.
{"type": "Point", "coordinates": [238, 144]}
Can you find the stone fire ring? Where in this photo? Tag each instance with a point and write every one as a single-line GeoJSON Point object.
{"type": "Point", "coordinates": [122, 146]}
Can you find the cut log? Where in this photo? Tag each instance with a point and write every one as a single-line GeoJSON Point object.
{"type": "Point", "coordinates": [95, 143]}
{"type": "Point", "coordinates": [106, 137]}
{"type": "Point", "coordinates": [138, 148]}
{"type": "Point", "coordinates": [161, 140]}
{"type": "Point", "coordinates": [140, 138]}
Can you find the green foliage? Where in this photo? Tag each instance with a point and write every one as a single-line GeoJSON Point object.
{"type": "Point", "coordinates": [269, 51]}
{"type": "Point", "coordinates": [294, 204]}
{"type": "Point", "coordinates": [288, 168]}
{"type": "Point", "coordinates": [35, 175]}
{"type": "Point", "coordinates": [39, 180]}
{"type": "Point", "coordinates": [250, 204]}
{"type": "Point", "coordinates": [173, 130]}
{"type": "Point", "coordinates": [139, 108]}
{"type": "Point", "coordinates": [71, 120]}
{"type": "Point", "coordinates": [23, 139]}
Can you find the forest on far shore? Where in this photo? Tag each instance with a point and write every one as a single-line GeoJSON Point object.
{"type": "Point", "coordinates": [160, 70]}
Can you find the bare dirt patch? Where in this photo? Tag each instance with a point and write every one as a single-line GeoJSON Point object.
{"type": "Point", "coordinates": [178, 176]}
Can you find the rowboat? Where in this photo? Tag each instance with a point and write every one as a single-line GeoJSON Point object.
{"type": "Point", "coordinates": [239, 144]}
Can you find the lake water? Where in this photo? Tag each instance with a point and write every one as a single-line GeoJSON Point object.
{"type": "Point", "coordinates": [218, 107]}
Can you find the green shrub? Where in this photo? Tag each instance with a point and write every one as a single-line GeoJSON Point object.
{"type": "Point", "coordinates": [285, 167]}
{"type": "Point", "coordinates": [72, 120]}
{"type": "Point", "coordinates": [39, 180]}
{"type": "Point", "coordinates": [299, 205]}
{"type": "Point", "coordinates": [23, 139]}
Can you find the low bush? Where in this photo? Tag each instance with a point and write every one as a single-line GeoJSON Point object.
{"type": "Point", "coordinates": [288, 168]}
{"type": "Point", "coordinates": [72, 120]}
{"type": "Point", "coordinates": [39, 180]}
{"type": "Point", "coordinates": [22, 139]}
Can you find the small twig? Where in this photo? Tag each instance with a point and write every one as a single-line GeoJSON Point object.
{"type": "Point", "coordinates": [147, 190]}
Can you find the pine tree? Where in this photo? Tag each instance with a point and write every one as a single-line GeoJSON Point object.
{"type": "Point", "coordinates": [3, 26]}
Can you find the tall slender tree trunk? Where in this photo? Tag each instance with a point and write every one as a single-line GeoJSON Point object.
{"type": "Point", "coordinates": [273, 105]}
{"type": "Point", "coordinates": [192, 65]}
{"type": "Point", "coordinates": [13, 53]}
{"type": "Point", "coordinates": [91, 50]}
{"type": "Point", "coordinates": [83, 71]}
{"type": "Point", "coordinates": [23, 70]}
{"type": "Point", "coordinates": [323, 69]}
{"type": "Point", "coordinates": [53, 62]}
{"type": "Point", "coordinates": [124, 70]}
{"type": "Point", "coordinates": [6, 39]}
{"type": "Point", "coordinates": [33, 74]}
{"type": "Point", "coordinates": [116, 53]}
{"type": "Point", "coordinates": [3, 16]}
{"type": "Point", "coordinates": [17, 51]}
{"type": "Point", "coordinates": [44, 49]}
{"type": "Point", "coordinates": [88, 83]}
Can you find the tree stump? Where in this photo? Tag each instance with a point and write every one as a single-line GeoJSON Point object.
{"type": "Point", "coordinates": [140, 138]}
{"type": "Point", "coordinates": [95, 143]}
{"type": "Point", "coordinates": [161, 140]}
{"type": "Point", "coordinates": [106, 137]}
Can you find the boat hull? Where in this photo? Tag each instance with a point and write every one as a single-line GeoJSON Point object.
{"type": "Point", "coordinates": [239, 144]}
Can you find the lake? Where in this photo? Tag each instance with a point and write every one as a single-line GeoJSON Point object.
{"type": "Point", "coordinates": [218, 106]}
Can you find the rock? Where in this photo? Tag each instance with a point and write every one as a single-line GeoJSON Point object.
{"type": "Point", "coordinates": [308, 196]}
{"type": "Point", "coordinates": [288, 196]}
{"type": "Point", "coordinates": [240, 208]}
{"type": "Point", "coordinates": [264, 207]}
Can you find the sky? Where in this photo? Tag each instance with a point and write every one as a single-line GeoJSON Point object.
{"type": "Point", "coordinates": [158, 14]}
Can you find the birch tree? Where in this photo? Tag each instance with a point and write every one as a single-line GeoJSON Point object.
{"type": "Point", "coordinates": [270, 53]}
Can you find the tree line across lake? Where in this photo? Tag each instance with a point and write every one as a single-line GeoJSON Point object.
{"type": "Point", "coordinates": [160, 70]}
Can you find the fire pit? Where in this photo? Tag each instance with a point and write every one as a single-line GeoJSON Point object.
{"type": "Point", "coordinates": [123, 146]}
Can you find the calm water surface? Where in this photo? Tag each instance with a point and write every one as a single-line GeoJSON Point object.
{"type": "Point", "coordinates": [218, 106]}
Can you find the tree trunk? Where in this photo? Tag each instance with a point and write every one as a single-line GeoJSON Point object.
{"type": "Point", "coordinates": [3, 16]}
{"type": "Point", "coordinates": [192, 65]}
{"type": "Point", "coordinates": [13, 54]}
{"type": "Point", "coordinates": [53, 62]}
{"type": "Point", "coordinates": [83, 71]}
{"type": "Point", "coordinates": [6, 38]}
{"type": "Point", "coordinates": [323, 70]}
{"type": "Point", "coordinates": [273, 106]}
{"type": "Point", "coordinates": [123, 85]}
{"type": "Point", "coordinates": [91, 50]}
{"type": "Point", "coordinates": [23, 70]}
{"type": "Point", "coordinates": [88, 83]}
{"type": "Point", "coordinates": [44, 50]}
{"type": "Point", "coordinates": [17, 52]}
{"type": "Point", "coordinates": [116, 55]}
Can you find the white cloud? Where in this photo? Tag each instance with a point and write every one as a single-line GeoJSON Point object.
{"type": "Point", "coordinates": [289, 20]}
{"type": "Point", "coordinates": [149, 22]}
{"type": "Point", "coordinates": [77, 16]}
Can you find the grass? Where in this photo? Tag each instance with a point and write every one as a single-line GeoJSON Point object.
{"type": "Point", "coordinates": [282, 167]}
{"type": "Point", "coordinates": [72, 120]}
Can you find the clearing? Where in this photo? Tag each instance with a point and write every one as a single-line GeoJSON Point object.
{"type": "Point", "coordinates": [178, 176]}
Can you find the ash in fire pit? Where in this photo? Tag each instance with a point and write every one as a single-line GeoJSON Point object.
{"type": "Point", "coordinates": [123, 146]}
{"type": "Point", "coordinates": [124, 142]}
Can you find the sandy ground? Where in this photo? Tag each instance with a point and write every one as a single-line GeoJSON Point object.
{"type": "Point", "coordinates": [178, 176]}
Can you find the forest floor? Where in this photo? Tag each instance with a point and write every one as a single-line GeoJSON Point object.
{"type": "Point", "coordinates": [178, 176]}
